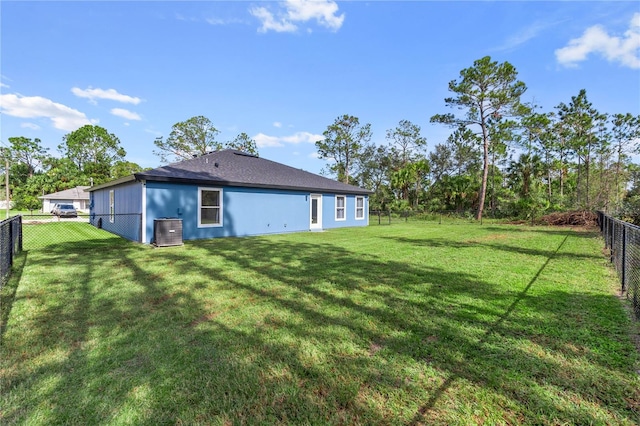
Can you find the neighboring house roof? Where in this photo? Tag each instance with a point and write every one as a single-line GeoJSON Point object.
{"type": "Point", "coordinates": [234, 168]}
{"type": "Point", "coordinates": [77, 193]}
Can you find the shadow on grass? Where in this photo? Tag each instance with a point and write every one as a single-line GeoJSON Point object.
{"type": "Point", "coordinates": [278, 330]}
{"type": "Point", "coordinates": [8, 291]}
{"type": "Point", "coordinates": [494, 244]}
{"type": "Point", "coordinates": [574, 231]}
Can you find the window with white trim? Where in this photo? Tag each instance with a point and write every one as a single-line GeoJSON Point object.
{"type": "Point", "coordinates": [209, 207]}
{"type": "Point", "coordinates": [359, 208]}
{"type": "Point", "coordinates": [341, 202]}
{"type": "Point", "coordinates": [112, 206]}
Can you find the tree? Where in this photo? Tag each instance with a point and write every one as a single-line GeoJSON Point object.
{"type": "Point", "coordinates": [487, 91]}
{"type": "Point", "coordinates": [539, 138]}
{"type": "Point", "coordinates": [458, 192]}
{"type": "Point", "coordinates": [625, 134]}
{"type": "Point", "coordinates": [343, 143]}
{"type": "Point", "coordinates": [28, 152]}
{"type": "Point", "coordinates": [580, 122]}
{"type": "Point", "coordinates": [406, 139]}
{"type": "Point", "coordinates": [244, 143]}
{"type": "Point", "coordinates": [195, 136]}
{"type": "Point", "coordinates": [441, 159]}
{"type": "Point", "coordinates": [60, 174]}
{"type": "Point", "coordinates": [93, 150]}
{"type": "Point", "coordinates": [466, 156]}
{"type": "Point", "coordinates": [629, 211]}
{"type": "Point", "coordinates": [124, 168]}
{"type": "Point", "coordinates": [375, 170]}
{"type": "Point", "coordinates": [525, 174]}
{"type": "Point", "coordinates": [24, 199]}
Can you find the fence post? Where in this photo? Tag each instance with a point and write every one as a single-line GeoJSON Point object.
{"type": "Point", "coordinates": [20, 233]}
{"type": "Point", "coordinates": [612, 235]}
{"type": "Point", "coordinates": [379, 216]}
{"type": "Point", "coordinates": [624, 259]}
{"type": "Point", "coordinates": [11, 243]}
{"type": "Point", "coordinates": [389, 217]}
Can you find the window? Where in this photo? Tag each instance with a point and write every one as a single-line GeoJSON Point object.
{"type": "Point", "coordinates": [112, 207]}
{"type": "Point", "coordinates": [340, 207]}
{"type": "Point", "coordinates": [359, 208]}
{"type": "Point", "coordinates": [209, 207]}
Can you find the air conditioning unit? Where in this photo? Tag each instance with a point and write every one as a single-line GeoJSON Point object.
{"type": "Point", "coordinates": [167, 232]}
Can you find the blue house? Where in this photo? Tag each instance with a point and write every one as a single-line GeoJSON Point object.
{"type": "Point", "coordinates": [223, 194]}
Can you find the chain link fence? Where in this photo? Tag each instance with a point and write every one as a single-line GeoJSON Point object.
{"type": "Point", "coordinates": [623, 241]}
{"type": "Point", "coordinates": [382, 217]}
{"type": "Point", "coordinates": [10, 245]}
{"type": "Point", "coordinates": [47, 231]}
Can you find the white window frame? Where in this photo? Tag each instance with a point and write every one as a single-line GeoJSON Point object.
{"type": "Point", "coordinates": [344, 208]}
{"type": "Point", "coordinates": [360, 197]}
{"type": "Point", "coordinates": [112, 206]}
{"type": "Point", "coordinates": [210, 225]}
{"type": "Point", "coordinates": [317, 225]}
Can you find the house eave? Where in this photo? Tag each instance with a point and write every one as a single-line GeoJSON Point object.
{"type": "Point", "coordinates": [221, 182]}
{"type": "Point", "coordinates": [115, 182]}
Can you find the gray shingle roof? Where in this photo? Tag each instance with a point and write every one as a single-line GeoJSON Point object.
{"type": "Point", "coordinates": [234, 168]}
{"type": "Point", "coordinates": [77, 193]}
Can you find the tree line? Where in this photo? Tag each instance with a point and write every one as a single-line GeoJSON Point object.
{"type": "Point", "coordinates": [91, 155]}
{"type": "Point", "coordinates": [502, 154]}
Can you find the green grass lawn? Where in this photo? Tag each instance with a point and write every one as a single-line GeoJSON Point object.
{"type": "Point", "coordinates": [404, 324]}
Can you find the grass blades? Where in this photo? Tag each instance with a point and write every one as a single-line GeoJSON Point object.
{"type": "Point", "coordinates": [404, 324]}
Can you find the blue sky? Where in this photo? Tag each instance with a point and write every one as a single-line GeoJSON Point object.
{"type": "Point", "coordinates": [283, 71]}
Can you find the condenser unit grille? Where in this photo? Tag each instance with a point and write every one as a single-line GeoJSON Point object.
{"type": "Point", "coordinates": [167, 232]}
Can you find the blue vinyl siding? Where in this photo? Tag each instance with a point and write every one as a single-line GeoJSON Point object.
{"type": "Point", "coordinates": [246, 211]}
{"type": "Point", "coordinates": [127, 210]}
{"type": "Point", "coordinates": [329, 212]}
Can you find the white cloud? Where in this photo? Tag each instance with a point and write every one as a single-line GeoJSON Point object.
{"type": "Point", "coordinates": [624, 50]}
{"type": "Point", "coordinates": [125, 113]}
{"type": "Point", "coordinates": [525, 34]}
{"type": "Point", "coordinates": [110, 94]}
{"type": "Point", "coordinates": [269, 22]}
{"type": "Point", "coordinates": [323, 11]}
{"type": "Point", "coordinates": [277, 124]}
{"type": "Point", "coordinates": [153, 132]}
{"type": "Point", "coordinates": [32, 126]}
{"type": "Point", "coordinates": [266, 141]}
{"type": "Point", "coordinates": [299, 137]}
{"type": "Point", "coordinates": [291, 12]}
{"type": "Point", "coordinates": [62, 117]}
{"type": "Point", "coordinates": [211, 20]}
{"type": "Point", "coordinates": [222, 21]}
{"type": "Point", "coordinates": [215, 21]}
{"type": "Point", "coordinates": [3, 77]}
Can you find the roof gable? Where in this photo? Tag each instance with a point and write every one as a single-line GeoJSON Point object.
{"type": "Point", "coordinates": [236, 168]}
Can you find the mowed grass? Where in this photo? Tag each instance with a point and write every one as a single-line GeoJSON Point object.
{"type": "Point", "coordinates": [404, 324]}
